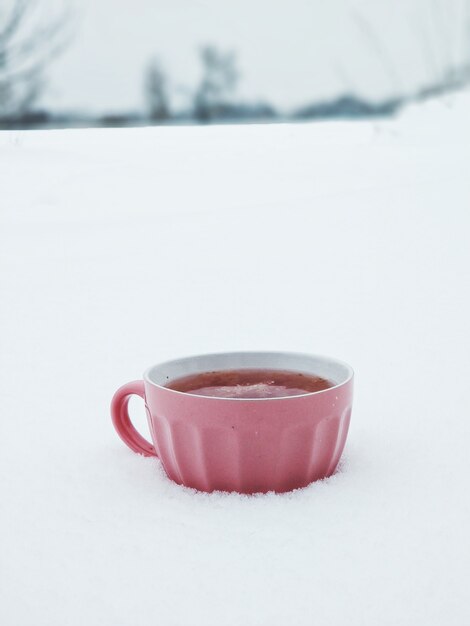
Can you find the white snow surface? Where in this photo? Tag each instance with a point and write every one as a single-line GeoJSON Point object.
{"type": "Point", "coordinates": [123, 248]}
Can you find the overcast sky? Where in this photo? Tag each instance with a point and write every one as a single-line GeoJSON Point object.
{"type": "Point", "coordinates": [289, 51]}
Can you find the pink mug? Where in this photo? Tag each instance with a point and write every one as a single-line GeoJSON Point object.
{"type": "Point", "coordinates": [239, 444]}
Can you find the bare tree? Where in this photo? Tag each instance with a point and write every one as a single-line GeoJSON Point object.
{"type": "Point", "coordinates": [218, 82]}
{"type": "Point", "coordinates": [27, 46]}
{"type": "Point", "coordinates": [156, 92]}
{"type": "Point", "coordinates": [377, 46]}
{"type": "Point", "coordinates": [446, 69]}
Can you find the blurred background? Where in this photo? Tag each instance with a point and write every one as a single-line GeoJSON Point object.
{"type": "Point", "coordinates": [121, 63]}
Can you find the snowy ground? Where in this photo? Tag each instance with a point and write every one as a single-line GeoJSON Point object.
{"type": "Point", "coordinates": [121, 248]}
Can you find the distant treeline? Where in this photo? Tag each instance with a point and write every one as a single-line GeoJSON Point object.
{"type": "Point", "coordinates": [343, 107]}
{"type": "Point", "coordinates": [27, 50]}
{"type": "Point", "coordinates": [346, 107]}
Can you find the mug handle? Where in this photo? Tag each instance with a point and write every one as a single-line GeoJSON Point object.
{"type": "Point", "coordinates": [122, 422]}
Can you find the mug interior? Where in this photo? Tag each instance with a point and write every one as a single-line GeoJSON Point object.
{"type": "Point", "coordinates": [331, 369]}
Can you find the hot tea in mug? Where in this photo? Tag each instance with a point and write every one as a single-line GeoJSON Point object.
{"type": "Point", "coordinates": [242, 421]}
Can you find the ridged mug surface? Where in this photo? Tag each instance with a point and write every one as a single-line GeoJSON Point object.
{"type": "Point", "coordinates": [243, 445]}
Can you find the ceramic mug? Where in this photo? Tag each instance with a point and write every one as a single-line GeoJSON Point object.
{"type": "Point", "coordinates": [246, 445]}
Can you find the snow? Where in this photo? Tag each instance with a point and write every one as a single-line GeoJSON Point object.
{"type": "Point", "coordinates": [123, 248]}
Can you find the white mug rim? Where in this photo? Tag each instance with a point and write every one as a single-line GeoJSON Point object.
{"type": "Point", "coordinates": [246, 356]}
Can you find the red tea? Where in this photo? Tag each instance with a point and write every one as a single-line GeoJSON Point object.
{"type": "Point", "coordinates": [250, 383]}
